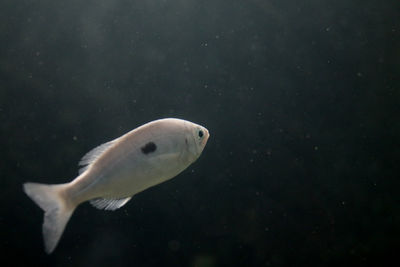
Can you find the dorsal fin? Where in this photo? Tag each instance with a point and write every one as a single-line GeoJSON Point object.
{"type": "Point", "coordinates": [109, 204]}
{"type": "Point", "coordinates": [93, 155]}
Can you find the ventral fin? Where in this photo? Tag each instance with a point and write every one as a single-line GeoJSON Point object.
{"type": "Point", "coordinates": [109, 204]}
{"type": "Point", "coordinates": [93, 155]}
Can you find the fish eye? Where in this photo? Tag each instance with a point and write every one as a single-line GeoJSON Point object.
{"type": "Point", "coordinates": [201, 133]}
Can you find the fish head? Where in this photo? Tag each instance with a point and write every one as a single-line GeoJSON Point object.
{"type": "Point", "coordinates": [197, 139]}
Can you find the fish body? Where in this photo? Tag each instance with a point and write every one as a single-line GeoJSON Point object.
{"type": "Point", "coordinates": [115, 171]}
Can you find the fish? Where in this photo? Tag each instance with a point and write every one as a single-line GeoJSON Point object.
{"type": "Point", "coordinates": [115, 171]}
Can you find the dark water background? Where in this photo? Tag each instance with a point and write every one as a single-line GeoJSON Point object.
{"type": "Point", "coordinates": [302, 100]}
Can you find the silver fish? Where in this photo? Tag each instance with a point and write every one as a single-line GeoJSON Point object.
{"type": "Point", "coordinates": [115, 171]}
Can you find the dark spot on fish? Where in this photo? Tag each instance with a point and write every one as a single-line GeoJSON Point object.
{"type": "Point", "coordinates": [187, 144]}
{"type": "Point", "coordinates": [148, 148]}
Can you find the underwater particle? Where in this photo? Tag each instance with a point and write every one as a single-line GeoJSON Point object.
{"type": "Point", "coordinates": [148, 148]}
{"type": "Point", "coordinates": [174, 245]}
{"type": "Point", "coordinates": [204, 261]}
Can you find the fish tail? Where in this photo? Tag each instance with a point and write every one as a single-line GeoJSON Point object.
{"type": "Point", "coordinates": [57, 210]}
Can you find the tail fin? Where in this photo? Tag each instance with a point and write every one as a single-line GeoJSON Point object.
{"type": "Point", "coordinates": [57, 210]}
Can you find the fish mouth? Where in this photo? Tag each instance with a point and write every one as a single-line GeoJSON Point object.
{"type": "Point", "coordinates": [206, 136]}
